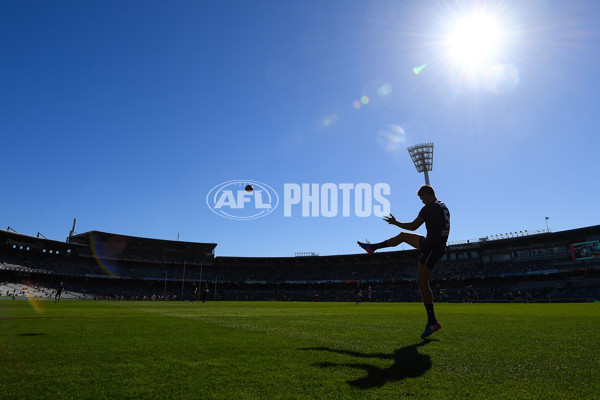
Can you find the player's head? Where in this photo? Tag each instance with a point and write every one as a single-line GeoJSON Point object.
{"type": "Point", "coordinates": [427, 194]}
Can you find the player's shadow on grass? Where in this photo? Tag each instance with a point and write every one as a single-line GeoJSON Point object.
{"type": "Point", "coordinates": [408, 363]}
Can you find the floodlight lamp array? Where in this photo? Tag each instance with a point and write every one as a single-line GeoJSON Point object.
{"type": "Point", "coordinates": [422, 156]}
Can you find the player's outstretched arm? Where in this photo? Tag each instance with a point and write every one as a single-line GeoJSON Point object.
{"type": "Point", "coordinates": [390, 219]}
{"type": "Point", "coordinates": [410, 226]}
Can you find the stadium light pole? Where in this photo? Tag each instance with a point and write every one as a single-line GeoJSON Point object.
{"type": "Point", "coordinates": [422, 157]}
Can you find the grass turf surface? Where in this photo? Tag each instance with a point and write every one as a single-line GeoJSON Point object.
{"type": "Point", "coordinates": [234, 350]}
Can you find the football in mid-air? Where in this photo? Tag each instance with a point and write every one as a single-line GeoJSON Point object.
{"type": "Point", "coordinates": [249, 188]}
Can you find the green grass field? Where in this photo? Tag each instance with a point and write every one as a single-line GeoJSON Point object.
{"type": "Point", "coordinates": [238, 350]}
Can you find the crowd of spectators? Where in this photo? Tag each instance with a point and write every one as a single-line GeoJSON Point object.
{"type": "Point", "coordinates": [391, 276]}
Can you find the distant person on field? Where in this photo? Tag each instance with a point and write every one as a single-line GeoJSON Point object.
{"type": "Point", "coordinates": [59, 292]}
{"type": "Point", "coordinates": [431, 248]}
{"type": "Point", "coordinates": [204, 292]}
{"type": "Point", "coordinates": [194, 293]}
{"type": "Point", "coordinates": [359, 296]}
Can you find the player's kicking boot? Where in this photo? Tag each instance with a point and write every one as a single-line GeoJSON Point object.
{"type": "Point", "coordinates": [430, 328]}
{"type": "Point", "coordinates": [368, 247]}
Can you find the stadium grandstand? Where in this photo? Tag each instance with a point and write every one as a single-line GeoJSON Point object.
{"type": "Point", "coordinates": [517, 267]}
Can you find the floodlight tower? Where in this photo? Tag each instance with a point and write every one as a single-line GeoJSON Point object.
{"type": "Point", "coordinates": [422, 156]}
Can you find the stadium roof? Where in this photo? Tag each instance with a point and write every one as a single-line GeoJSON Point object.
{"type": "Point", "coordinates": [20, 239]}
{"type": "Point", "coordinates": [142, 242]}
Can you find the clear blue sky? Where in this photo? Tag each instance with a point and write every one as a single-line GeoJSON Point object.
{"type": "Point", "coordinates": [126, 114]}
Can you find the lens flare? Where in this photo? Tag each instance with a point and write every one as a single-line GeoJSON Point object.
{"type": "Point", "coordinates": [365, 100]}
{"type": "Point", "coordinates": [391, 138]}
{"type": "Point", "coordinates": [357, 104]}
{"type": "Point", "coordinates": [330, 120]}
{"type": "Point", "coordinates": [417, 70]}
{"type": "Point", "coordinates": [34, 301]}
{"type": "Point", "coordinates": [384, 90]}
{"type": "Point", "coordinates": [35, 304]}
{"type": "Point", "coordinates": [102, 251]}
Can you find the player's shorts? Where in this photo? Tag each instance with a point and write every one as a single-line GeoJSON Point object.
{"type": "Point", "coordinates": [430, 252]}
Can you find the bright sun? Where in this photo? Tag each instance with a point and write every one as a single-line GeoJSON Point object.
{"type": "Point", "coordinates": [474, 40]}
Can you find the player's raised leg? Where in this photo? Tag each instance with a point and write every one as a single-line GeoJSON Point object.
{"type": "Point", "coordinates": [411, 239]}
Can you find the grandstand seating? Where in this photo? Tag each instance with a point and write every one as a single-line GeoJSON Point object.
{"type": "Point", "coordinates": [540, 266]}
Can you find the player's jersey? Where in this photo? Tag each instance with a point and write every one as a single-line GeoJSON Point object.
{"type": "Point", "coordinates": [437, 222]}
